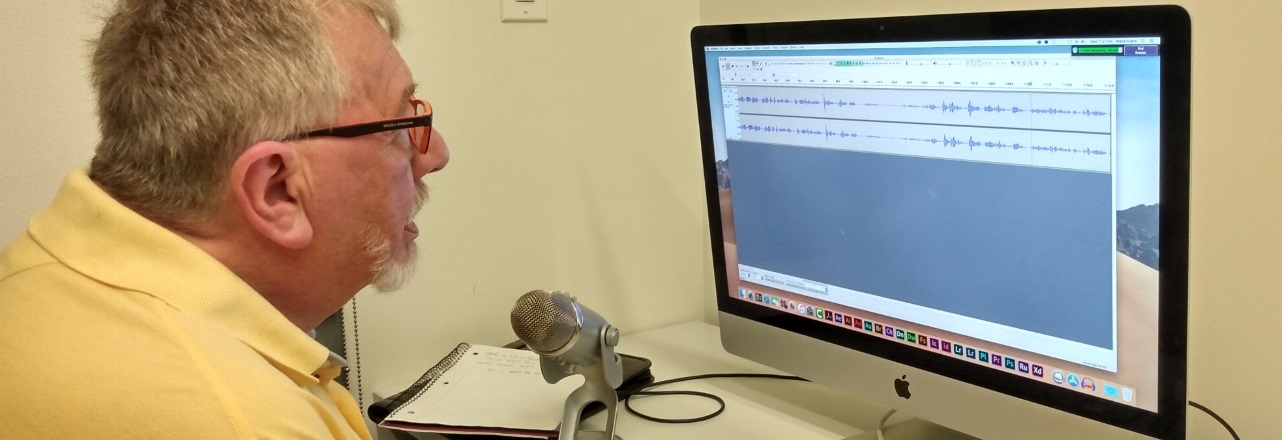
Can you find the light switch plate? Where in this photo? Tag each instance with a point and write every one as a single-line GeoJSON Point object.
{"type": "Point", "coordinates": [515, 11]}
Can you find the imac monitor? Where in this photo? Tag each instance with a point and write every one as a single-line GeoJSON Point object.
{"type": "Point", "coordinates": [979, 219]}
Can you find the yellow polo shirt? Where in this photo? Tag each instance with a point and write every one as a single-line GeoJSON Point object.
{"type": "Point", "coordinates": [112, 327]}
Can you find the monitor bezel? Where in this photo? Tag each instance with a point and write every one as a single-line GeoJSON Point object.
{"type": "Point", "coordinates": [1170, 23]}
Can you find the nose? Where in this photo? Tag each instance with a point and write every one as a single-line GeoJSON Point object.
{"type": "Point", "coordinates": [438, 155]}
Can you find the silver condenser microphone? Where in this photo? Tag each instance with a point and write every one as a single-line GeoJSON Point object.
{"type": "Point", "coordinates": [572, 339]}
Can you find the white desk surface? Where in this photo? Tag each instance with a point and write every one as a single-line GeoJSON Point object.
{"type": "Point", "coordinates": [755, 408]}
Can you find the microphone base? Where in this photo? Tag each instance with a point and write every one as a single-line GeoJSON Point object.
{"type": "Point", "coordinates": [595, 435]}
{"type": "Point", "coordinates": [595, 389]}
{"type": "Point", "coordinates": [600, 381]}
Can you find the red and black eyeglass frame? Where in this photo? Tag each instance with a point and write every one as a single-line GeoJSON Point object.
{"type": "Point", "coordinates": [419, 127]}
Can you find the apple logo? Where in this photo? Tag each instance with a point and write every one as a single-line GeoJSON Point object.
{"type": "Point", "coordinates": [901, 387]}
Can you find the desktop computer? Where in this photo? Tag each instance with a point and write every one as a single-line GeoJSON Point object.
{"type": "Point", "coordinates": [979, 219]}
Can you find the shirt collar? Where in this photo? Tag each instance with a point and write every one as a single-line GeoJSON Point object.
{"type": "Point", "coordinates": [334, 358]}
{"type": "Point", "coordinates": [100, 238]}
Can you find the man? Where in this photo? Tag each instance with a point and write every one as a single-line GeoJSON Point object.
{"type": "Point", "coordinates": [260, 162]}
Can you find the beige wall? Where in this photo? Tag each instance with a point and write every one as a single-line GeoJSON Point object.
{"type": "Point", "coordinates": [46, 108]}
{"type": "Point", "coordinates": [575, 166]}
{"type": "Point", "coordinates": [1236, 267]}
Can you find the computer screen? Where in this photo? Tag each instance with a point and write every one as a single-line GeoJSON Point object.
{"type": "Point", "coordinates": [990, 207]}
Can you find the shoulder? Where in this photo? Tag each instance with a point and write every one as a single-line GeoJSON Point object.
{"type": "Point", "coordinates": [83, 360]}
{"type": "Point", "coordinates": [82, 357]}
{"type": "Point", "coordinates": [20, 256]}
{"type": "Point", "coordinates": [90, 360]}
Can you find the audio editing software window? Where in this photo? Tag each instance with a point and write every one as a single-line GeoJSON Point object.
{"type": "Point", "coordinates": [970, 187]}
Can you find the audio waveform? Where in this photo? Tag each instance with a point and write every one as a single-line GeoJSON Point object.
{"type": "Point", "coordinates": [946, 107]}
{"type": "Point", "coordinates": [948, 141]}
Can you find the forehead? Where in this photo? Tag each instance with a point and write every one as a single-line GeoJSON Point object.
{"type": "Point", "coordinates": [376, 74]}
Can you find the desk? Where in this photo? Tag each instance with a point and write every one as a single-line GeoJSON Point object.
{"type": "Point", "coordinates": [755, 408]}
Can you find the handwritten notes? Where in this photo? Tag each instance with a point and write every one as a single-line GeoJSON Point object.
{"type": "Point", "coordinates": [491, 387]}
{"type": "Point", "coordinates": [516, 362]}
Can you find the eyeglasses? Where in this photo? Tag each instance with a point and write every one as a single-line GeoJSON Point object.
{"type": "Point", "coordinates": [418, 126]}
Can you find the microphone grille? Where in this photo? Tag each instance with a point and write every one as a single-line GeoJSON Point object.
{"type": "Point", "coordinates": [545, 321]}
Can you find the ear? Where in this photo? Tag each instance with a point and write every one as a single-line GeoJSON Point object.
{"type": "Point", "coordinates": [266, 183]}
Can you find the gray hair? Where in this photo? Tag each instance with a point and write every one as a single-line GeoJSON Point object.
{"type": "Point", "coordinates": [185, 86]}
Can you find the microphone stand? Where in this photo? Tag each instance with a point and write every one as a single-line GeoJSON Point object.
{"type": "Point", "coordinates": [599, 384]}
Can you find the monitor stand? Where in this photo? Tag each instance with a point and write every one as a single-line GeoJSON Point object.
{"type": "Point", "coordinates": [914, 429]}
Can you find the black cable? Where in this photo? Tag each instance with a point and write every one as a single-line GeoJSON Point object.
{"type": "Point", "coordinates": [627, 404]}
{"type": "Point", "coordinates": [1216, 417]}
{"type": "Point", "coordinates": [627, 396]}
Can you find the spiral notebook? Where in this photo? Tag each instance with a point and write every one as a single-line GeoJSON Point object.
{"type": "Point", "coordinates": [479, 389]}
{"type": "Point", "coordinates": [510, 370]}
